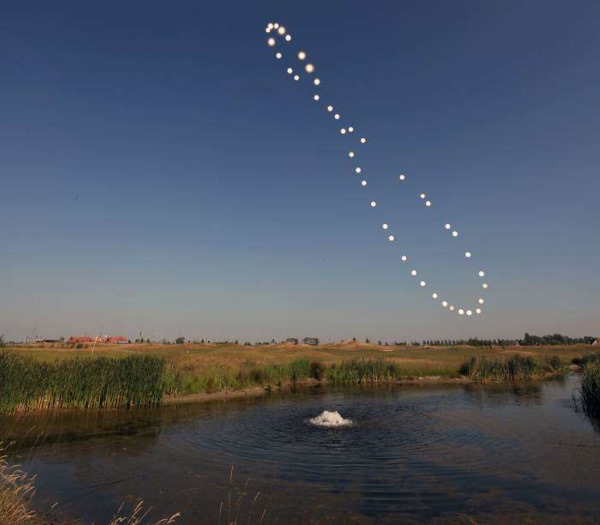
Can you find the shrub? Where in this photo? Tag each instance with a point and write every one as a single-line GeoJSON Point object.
{"type": "Point", "coordinates": [554, 362]}
{"type": "Point", "coordinates": [589, 359]}
{"type": "Point", "coordinates": [317, 370]}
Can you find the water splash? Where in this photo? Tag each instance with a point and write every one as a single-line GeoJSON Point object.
{"type": "Point", "coordinates": [330, 419]}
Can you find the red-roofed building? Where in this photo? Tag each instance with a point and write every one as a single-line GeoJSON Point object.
{"type": "Point", "coordinates": [80, 339]}
{"type": "Point", "coordinates": [117, 339]}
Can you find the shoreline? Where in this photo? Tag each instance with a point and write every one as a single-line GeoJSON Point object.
{"type": "Point", "coordinates": [258, 391]}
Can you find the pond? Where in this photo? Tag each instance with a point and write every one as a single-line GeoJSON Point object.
{"type": "Point", "coordinates": [446, 454]}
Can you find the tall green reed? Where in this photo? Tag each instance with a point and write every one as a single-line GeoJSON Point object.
{"type": "Point", "coordinates": [513, 368]}
{"type": "Point", "coordinates": [92, 382]}
{"type": "Point", "coordinates": [363, 371]}
{"type": "Point", "coordinates": [589, 391]}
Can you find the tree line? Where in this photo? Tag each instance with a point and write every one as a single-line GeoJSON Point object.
{"type": "Point", "coordinates": [527, 340]}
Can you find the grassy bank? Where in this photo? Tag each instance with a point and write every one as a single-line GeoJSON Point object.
{"type": "Point", "coordinates": [215, 378]}
{"type": "Point", "coordinates": [101, 382]}
{"type": "Point", "coordinates": [249, 374]}
{"type": "Point", "coordinates": [141, 375]}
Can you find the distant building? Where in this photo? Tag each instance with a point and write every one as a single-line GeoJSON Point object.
{"type": "Point", "coordinates": [80, 339]}
{"type": "Point", "coordinates": [117, 339]}
{"type": "Point", "coordinates": [312, 341]}
{"type": "Point", "coordinates": [596, 342]}
{"type": "Point", "coordinates": [292, 340]}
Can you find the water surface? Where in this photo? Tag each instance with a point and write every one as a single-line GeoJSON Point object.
{"type": "Point", "coordinates": [492, 454]}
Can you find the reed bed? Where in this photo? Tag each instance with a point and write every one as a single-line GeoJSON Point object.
{"type": "Point", "coordinates": [363, 371]}
{"type": "Point", "coordinates": [590, 389]}
{"type": "Point", "coordinates": [86, 383]}
{"type": "Point", "coordinates": [513, 368]}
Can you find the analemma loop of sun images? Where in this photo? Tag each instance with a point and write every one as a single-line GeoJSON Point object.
{"type": "Point", "coordinates": [280, 39]}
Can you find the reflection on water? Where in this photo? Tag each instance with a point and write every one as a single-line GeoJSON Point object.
{"type": "Point", "coordinates": [495, 454]}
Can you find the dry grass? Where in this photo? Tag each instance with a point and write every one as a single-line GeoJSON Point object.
{"type": "Point", "coordinates": [138, 516]}
{"type": "Point", "coordinates": [232, 509]}
{"type": "Point", "coordinates": [195, 356]}
{"type": "Point", "coordinates": [16, 491]}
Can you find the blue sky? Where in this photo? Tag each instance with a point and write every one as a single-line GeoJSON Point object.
{"type": "Point", "coordinates": [160, 172]}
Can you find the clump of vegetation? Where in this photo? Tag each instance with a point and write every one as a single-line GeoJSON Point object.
{"type": "Point", "coordinates": [586, 359]}
{"type": "Point", "coordinates": [93, 382]}
{"type": "Point", "coordinates": [553, 363]}
{"type": "Point", "coordinates": [363, 371]}
{"type": "Point", "coordinates": [317, 370]}
{"type": "Point", "coordinates": [513, 368]}
{"type": "Point", "coordinates": [590, 388]}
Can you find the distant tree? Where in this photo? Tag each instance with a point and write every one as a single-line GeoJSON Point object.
{"type": "Point", "coordinates": [2, 343]}
{"type": "Point", "coordinates": [148, 340]}
{"type": "Point", "coordinates": [180, 340]}
{"type": "Point", "coordinates": [237, 342]}
{"type": "Point", "coordinates": [354, 339]}
{"type": "Point", "coordinates": [367, 341]}
{"type": "Point", "coordinates": [379, 343]}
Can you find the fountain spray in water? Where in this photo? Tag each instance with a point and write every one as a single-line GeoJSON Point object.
{"type": "Point", "coordinates": [330, 419]}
